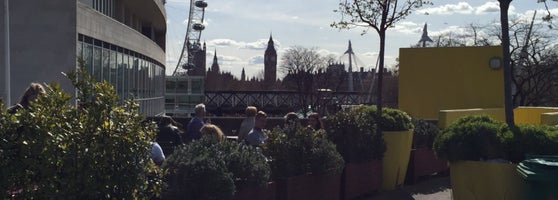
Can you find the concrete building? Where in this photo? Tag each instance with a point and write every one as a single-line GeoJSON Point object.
{"type": "Point", "coordinates": [121, 41]}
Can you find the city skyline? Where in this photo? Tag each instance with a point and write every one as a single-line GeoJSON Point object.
{"type": "Point", "coordinates": [238, 31]}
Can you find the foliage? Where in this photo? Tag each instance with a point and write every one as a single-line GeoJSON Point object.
{"type": "Point", "coordinates": [483, 138]}
{"type": "Point", "coordinates": [532, 139]}
{"type": "Point", "coordinates": [307, 151]}
{"type": "Point", "coordinates": [354, 134]}
{"type": "Point", "coordinates": [424, 133]}
{"type": "Point", "coordinates": [473, 138]}
{"type": "Point", "coordinates": [206, 169]}
{"type": "Point", "coordinates": [392, 119]}
{"type": "Point", "coordinates": [98, 150]}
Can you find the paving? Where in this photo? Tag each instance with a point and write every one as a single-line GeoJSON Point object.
{"type": "Point", "coordinates": [435, 188]}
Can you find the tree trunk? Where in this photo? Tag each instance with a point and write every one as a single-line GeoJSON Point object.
{"type": "Point", "coordinates": [508, 104]}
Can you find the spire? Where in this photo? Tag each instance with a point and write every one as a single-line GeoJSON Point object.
{"type": "Point", "coordinates": [424, 38]}
{"type": "Point", "coordinates": [350, 50]}
{"type": "Point", "coordinates": [243, 75]}
{"type": "Point", "coordinates": [215, 65]}
{"type": "Point", "coordinates": [270, 44]}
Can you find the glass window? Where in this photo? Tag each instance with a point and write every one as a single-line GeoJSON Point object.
{"type": "Point", "coordinates": [88, 57]}
{"type": "Point", "coordinates": [111, 66]}
{"type": "Point", "coordinates": [125, 76]}
{"type": "Point", "coordinates": [197, 86]}
{"type": "Point", "coordinates": [114, 76]}
{"type": "Point", "coordinates": [97, 56]}
{"type": "Point", "coordinates": [106, 62]}
{"type": "Point", "coordinates": [135, 78]}
{"type": "Point", "coordinates": [79, 50]}
{"type": "Point", "coordinates": [182, 86]}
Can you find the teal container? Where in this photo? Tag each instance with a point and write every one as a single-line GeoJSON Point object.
{"type": "Point", "coordinates": [540, 174]}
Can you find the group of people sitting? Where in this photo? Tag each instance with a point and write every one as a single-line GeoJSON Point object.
{"type": "Point", "coordinates": [172, 134]}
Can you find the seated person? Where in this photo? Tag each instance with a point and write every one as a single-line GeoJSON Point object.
{"type": "Point", "coordinates": [210, 130]}
{"type": "Point", "coordinates": [256, 137]}
{"type": "Point", "coordinates": [168, 136]}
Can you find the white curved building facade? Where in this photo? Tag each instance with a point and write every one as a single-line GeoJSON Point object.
{"type": "Point", "coordinates": [120, 41]}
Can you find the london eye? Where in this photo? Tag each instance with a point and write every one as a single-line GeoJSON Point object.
{"type": "Point", "coordinates": [192, 38]}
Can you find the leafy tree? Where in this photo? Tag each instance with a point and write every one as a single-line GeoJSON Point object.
{"type": "Point", "coordinates": [379, 15]}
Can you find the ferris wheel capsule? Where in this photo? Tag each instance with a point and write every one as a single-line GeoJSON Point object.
{"type": "Point", "coordinates": [198, 26]}
{"type": "Point", "coordinates": [201, 4]}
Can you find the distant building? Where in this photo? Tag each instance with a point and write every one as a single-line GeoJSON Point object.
{"type": "Point", "coordinates": [185, 91]}
{"type": "Point", "coordinates": [122, 42]}
{"type": "Point", "coordinates": [270, 65]}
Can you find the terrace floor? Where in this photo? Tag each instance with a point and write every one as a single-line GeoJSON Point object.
{"type": "Point", "coordinates": [434, 188]}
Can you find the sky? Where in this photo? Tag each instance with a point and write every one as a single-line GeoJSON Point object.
{"type": "Point", "coordinates": [238, 30]}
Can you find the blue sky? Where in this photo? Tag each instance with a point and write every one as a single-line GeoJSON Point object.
{"type": "Point", "coordinates": [239, 29]}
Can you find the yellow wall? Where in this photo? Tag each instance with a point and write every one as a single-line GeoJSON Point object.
{"type": "Point", "coordinates": [434, 79]}
{"type": "Point", "coordinates": [534, 115]}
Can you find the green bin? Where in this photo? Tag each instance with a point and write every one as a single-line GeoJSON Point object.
{"type": "Point", "coordinates": [541, 176]}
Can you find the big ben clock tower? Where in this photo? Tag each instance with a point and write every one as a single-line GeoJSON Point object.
{"type": "Point", "coordinates": [270, 65]}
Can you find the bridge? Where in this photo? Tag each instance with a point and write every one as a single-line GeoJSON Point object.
{"type": "Point", "coordinates": [279, 102]}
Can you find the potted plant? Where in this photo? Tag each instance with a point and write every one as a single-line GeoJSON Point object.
{"type": "Point", "coordinates": [304, 165]}
{"type": "Point", "coordinates": [355, 137]}
{"type": "Point", "coordinates": [478, 149]}
{"type": "Point", "coordinates": [205, 169]}
{"type": "Point", "coordinates": [397, 132]}
{"type": "Point", "coordinates": [423, 161]}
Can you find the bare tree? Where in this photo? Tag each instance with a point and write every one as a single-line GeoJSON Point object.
{"type": "Point", "coordinates": [301, 65]}
{"type": "Point", "coordinates": [378, 15]}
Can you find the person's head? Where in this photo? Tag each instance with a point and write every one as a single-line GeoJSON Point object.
{"type": "Point", "coordinates": [314, 121]}
{"type": "Point", "coordinates": [210, 130]}
{"type": "Point", "coordinates": [165, 120]}
{"type": "Point", "coordinates": [261, 119]}
{"type": "Point", "coordinates": [291, 118]}
{"type": "Point", "coordinates": [251, 111]}
{"type": "Point", "coordinates": [31, 93]}
{"type": "Point", "coordinates": [200, 110]}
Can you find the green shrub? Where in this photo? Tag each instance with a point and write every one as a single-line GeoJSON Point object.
{"type": "Point", "coordinates": [205, 169]}
{"type": "Point", "coordinates": [354, 134]}
{"type": "Point", "coordinates": [473, 138]}
{"type": "Point", "coordinates": [532, 139]}
{"type": "Point", "coordinates": [305, 152]}
{"type": "Point", "coordinates": [99, 150]}
{"type": "Point", "coordinates": [424, 133]}
{"type": "Point", "coordinates": [392, 119]}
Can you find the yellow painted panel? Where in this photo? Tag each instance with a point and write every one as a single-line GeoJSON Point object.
{"type": "Point", "coordinates": [433, 79]}
{"type": "Point", "coordinates": [485, 180]}
{"type": "Point", "coordinates": [396, 157]}
{"type": "Point", "coordinates": [549, 118]}
{"type": "Point", "coordinates": [531, 115]}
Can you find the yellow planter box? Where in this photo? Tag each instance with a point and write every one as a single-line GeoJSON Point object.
{"type": "Point", "coordinates": [485, 180]}
{"type": "Point", "coordinates": [396, 158]}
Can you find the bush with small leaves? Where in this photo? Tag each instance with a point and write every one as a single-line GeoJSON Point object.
{"type": "Point", "coordinates": [305, 152]}
{"type": "Point", "coordinates": [99, 149]}
{"type": "Point", "coordinates": [208, 169]}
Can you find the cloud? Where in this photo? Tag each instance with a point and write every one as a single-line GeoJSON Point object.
{"type": "Point", "coordinates": [223, 43]}
{"type": "Point", "coordinates": [408, 27]}
{"type": "Point", "coordinates": [260, 44]}
{"type": "Point", "coordinates": [488, 7]}
{"type": "Point", "coordinates": [449, 9]}
{"type": "Point", "coordinates": [255, 60]}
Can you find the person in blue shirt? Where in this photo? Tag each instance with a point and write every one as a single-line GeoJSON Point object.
{"type": "Point", "coordinates": [195, 124]}
{"type": "Point", "coordinates": [256, 137]}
